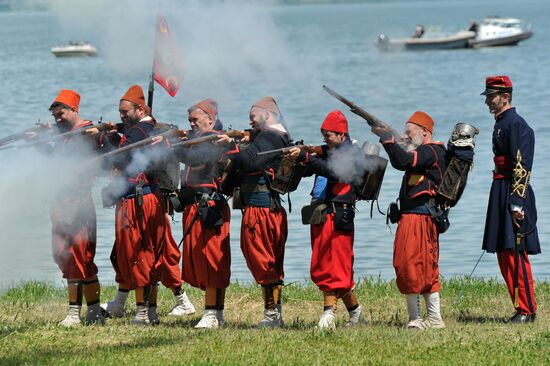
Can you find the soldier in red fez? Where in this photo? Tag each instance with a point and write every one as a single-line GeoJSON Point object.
{"type": "Point", "coordinates": [206, 251]}
{"type": "Point", "coordinates": [264, 222]}
{"type": "Point", "coordinates": [332, 237]}
{"type": "Point", "coordinates": [144, 251]}
{"type": "Point", "coordinates": [510, 228]}
{"type": "Point", "coordinates": [416, 246]}
{"type": "Point", "coordinates": [73, 214]}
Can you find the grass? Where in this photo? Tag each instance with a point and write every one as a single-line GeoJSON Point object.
{"type": "Point", "coordinates": [476, 331]}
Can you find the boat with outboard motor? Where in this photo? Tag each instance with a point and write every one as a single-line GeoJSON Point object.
{"type": "Point", "coordinates": [74, 49]}
{"type": "Point", "coordinates": [429, 41]}
{"type": "Point", "coordinates": [495, 31]}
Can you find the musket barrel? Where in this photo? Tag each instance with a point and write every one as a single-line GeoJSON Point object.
{"type": "Point", "coordinates": [195, 141]}
{"type": "Point", "coordinates": [354, 108]}
{"type": "Point", "coordinates": [213, 137]}
{"type": "Point", "coordinates": [17, 136]}
{"type": "Point", "coordinates": [133, 146]}
{"type": "Point", "coordinates": [274, 151]}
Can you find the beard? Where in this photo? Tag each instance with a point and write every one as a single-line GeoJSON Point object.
{"type": "Point", "coordinates": [414, 142]}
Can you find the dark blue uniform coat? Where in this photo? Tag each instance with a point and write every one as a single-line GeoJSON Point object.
{"type": "Point", "coordinates": [513, 138]}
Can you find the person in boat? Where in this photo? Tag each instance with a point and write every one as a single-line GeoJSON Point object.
{"type": "Point", "coordinates": [264, 225]}
{"type": "Point", "coordinates": [206, 250]}
{"type": "Point", "coordinates": [416, 246]}
{"type": "Point", "coordinates": [73, 214]}
{"type": "Point", "coordinates": [419, 31]}
{"type": "Point", "coordinates": [511, 211]}
{"type": "Point", "coordinates": [332, 232]}
{"type": "Point", "coordinates": [144, 251]}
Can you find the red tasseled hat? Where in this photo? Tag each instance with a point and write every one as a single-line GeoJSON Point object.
{"type": "Point", "coordinates": [69, 98]}
{"type": "Point", "coordinates": [135, 95]}
{"type": "Point", "coordinates": [497, 84]}
{"type": "Point", "coordinates": [335, 121]}
{"type": "Point", "coordinates": [423, 120]}
{"type": "Point", "coordinates": [209, 106]}
{"type": "Point", "coordinates": [267, 103]}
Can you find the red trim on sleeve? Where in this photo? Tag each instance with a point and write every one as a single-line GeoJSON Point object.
{"type": "Point", "coordinates": [234, 151]}
{"type": "Point", "coordinates": [122, 140]}
{"type": "Point", "coordinates": [415, 158]}
{"type": "Point", "coordinates": [392, 141]}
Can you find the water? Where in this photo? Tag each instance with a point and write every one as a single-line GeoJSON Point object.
{"type": "Point", "coordinates": [289, 55]}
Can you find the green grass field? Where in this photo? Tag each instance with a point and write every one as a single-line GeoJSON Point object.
{"type": "Point", "coordinates": [476, 333]}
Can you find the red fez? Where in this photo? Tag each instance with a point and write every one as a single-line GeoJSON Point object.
{"type": "Point", "coordinates": [335, 121]}
{"type": "Point", "coordinates": [422, 119]}
{"type": "Point", "coordinates": [497, 84]}
{"type": "Point", "coordinates": [135, 95]}
{"type": "Point", "coordinates": [208, 106]}
{"type": "Point", "coordinates": [267, 103]}
{"type": "Point", "coordinates": [69, 98]}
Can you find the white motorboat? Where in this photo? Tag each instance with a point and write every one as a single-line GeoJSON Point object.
{"type": "Point", "coordinates": [430, 41]}
{"type": "Point", "coordinates": [74, 49]}
{"type": "Point", "coordinates": [495, 31]}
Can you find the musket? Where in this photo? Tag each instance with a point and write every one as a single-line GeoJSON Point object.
{"type": "Point", "coordinates": [371, 120]}
{"type": "Point", "coordinates": [82, 131]}
{"type": "Point", "coordinates": [309, 148]}
{"type": "Point", "coordinates": [199, 140]}
{"type": "Point", "coordinates": [20, 135]}
{"type": "Point", "coordinates": [78, 131]}
{"type": "Point", "coordinates": [135, 145]}
{"type": "Point", "coordinates": [151, 92]}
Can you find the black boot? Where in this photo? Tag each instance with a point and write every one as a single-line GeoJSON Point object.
{"type": "Point", "coordinates": [523, 318]}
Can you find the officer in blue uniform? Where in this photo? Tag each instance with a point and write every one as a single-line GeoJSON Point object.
{"type": "Point", "coordinates": [510, 227]}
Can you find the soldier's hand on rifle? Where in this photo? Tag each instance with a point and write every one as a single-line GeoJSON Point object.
{"type": "Point", "coordinates": [92, 131]}
{"type": "Point", "coordinates": [31, 135]}
{"type": "Point", "coordinates": [107, 126]}
{"type": "Point", "coordinates": [223, 140]}
{"type": "Point", "coordinates": [156, 139]}
{"type": "Point", "coordinates": [383, 132]}
{"type": "Point", "coordinates": [245, 138]}
{"type": "Point", "coordinates": [292, 153]}
{"type": "Point", "coordinates": [181, 135]}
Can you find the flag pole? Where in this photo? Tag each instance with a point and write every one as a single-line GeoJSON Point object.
{"type": "Point", "coordinates": [151, 91]}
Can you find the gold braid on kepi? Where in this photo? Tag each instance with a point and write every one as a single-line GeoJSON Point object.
{"type": "Point", "coordinates": [521, 177]}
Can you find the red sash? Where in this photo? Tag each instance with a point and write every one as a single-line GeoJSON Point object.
{"type": "Point", "coordinates": [503, 167]}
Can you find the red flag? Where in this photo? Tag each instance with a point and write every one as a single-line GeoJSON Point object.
{"type": "Point", "coordinates": [167, 65]}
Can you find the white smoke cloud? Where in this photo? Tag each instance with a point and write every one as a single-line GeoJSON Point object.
{"type": "Point", "coordinates": [30, 185]}
{"type": "Point", "coordinates": [348, 163]}
{"type": "Point", "coordinates": [225, 46]}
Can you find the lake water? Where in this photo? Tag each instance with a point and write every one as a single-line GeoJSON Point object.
{"type": "Point", "coordinates": [288, 52]}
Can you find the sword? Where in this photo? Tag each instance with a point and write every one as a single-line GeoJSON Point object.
{"type": "Point", "coordinates": [519, 235]}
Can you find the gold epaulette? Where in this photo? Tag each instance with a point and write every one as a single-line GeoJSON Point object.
{"type": "Point", "coordinates": [521, 177]}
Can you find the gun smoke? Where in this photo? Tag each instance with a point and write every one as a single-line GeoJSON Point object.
{"type": "Point", "coordinates": [349, 164]}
